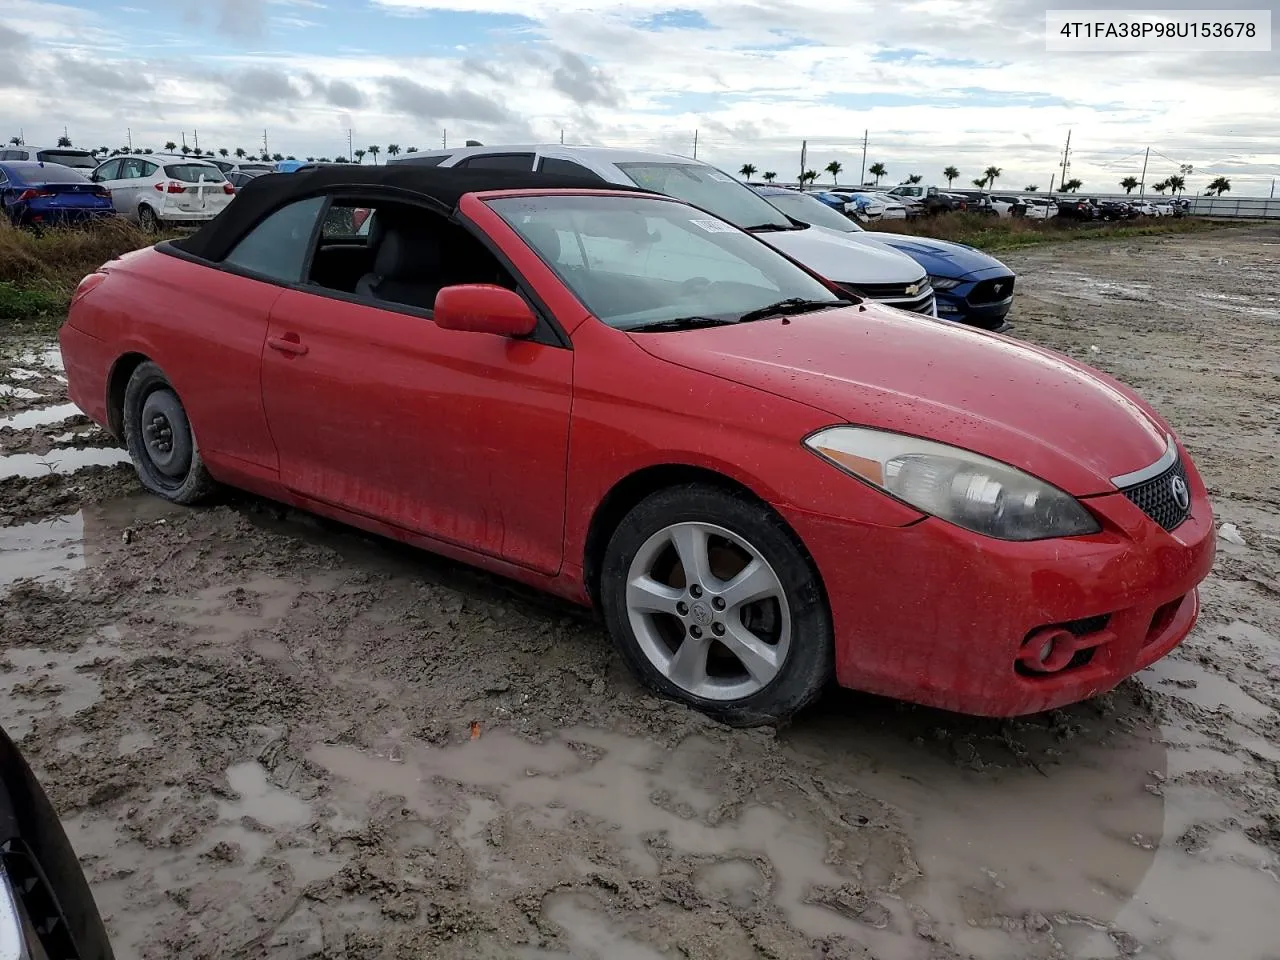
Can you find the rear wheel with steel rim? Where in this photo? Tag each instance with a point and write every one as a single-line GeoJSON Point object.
{"type": "Point", "coordinates": [160, 440]}
{"type": "Point", "coordinates": [712, 601]}
{"type": "Point", "coordinates": [148, 219]}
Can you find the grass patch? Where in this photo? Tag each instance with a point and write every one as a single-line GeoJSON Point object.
{"type": "Point", "coordinates": [992, 234]}
{"type": "Point", "coordinates": [39, 271]}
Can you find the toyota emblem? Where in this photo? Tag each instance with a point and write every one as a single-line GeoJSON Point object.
{"type": "Point", "coordinates": [1181, 495]}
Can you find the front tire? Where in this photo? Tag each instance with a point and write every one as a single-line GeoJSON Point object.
{"type": "Point", "coordinates": [160, 440]}
{"type": "Point", "coordinates": [712, 601]}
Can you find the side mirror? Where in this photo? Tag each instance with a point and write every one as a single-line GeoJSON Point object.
{"type": "Point", "coordinates": [484, 308]}
{"type": "Point", "coordinates": [46, 908]}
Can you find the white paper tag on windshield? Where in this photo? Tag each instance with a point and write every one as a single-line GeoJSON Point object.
{"type": "Point", "coordinates": [713, 226]}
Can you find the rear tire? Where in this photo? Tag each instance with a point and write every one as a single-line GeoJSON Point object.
{"type": "Point", "coordinates": [160, 440]}
{"type": "Point", "coordinates": [746, 636]}
{"type": "Point", "coordinates": [148, 219]}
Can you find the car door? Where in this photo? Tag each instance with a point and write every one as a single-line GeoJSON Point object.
{"type": "Point", "coordinates": [108, 174]}
{"type": "Point", "coordinates": [131, 183]}
{"type": "Point", "coordinates": [462, 437]}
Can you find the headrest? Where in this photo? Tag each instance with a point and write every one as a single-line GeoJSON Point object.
{"type": "Point", "coordinates": [408, 251]}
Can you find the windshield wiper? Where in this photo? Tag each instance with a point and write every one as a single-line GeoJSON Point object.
{"type": "Point", "coordinates": [681, 323]}
{"type": "Point", "coordinates": [768, 227]}
{"type": "Point", "coordinates": [791, 305]}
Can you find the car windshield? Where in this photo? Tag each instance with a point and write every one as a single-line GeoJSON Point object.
{"type": "Point", "coordinates": [638, 263]}
{"type": "Point", "coordinates": [811, 210]}
{"type": "Point", "coordinates": [706, 187]}
{"type": "Point", "coordinates": [69, 158]}
{"type": "Point", "coordinates": [193, 172]}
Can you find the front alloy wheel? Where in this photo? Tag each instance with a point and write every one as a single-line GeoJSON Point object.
{"type": "Point", "coordinates": [708, 611]}
{"type": "Point", "coordinates": [712, 601]}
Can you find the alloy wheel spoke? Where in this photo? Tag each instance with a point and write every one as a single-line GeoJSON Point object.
{"type": "Point", "coordinates": [755, 582]}
{"type": "Point", "coordinates": [647, 595]}
{"type": "Point", "coordinates": [688, 667]}
{"type": "Point", "coordinates": [758, 657]}
{"type": "Point", "coordinates": [690, 541]}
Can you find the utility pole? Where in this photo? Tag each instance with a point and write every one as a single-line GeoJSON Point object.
{"type": "Point", "coordinates": [184, 138]}
{"type": "Point", "coordinates": [128, 133]}
{"type": "Point", "coordinates": [1066, 159]}
{"type": "Point", "coordinates": [1053, 177]}
{"type": "Point", "coordinates": [862, 177]}
{"type": "Point", "coordinates": [266, 148]}
{"type": "Point", "coordinates": [444, 139]}
{"type": "Point", "coordinates": [804, 153]}
{"type": "Point", "coordinates": [1142, 187]}
{"type": "Point", "coordinates": [195, 135]}
{"type": "Point", "coordinates": [695, 144]}
{"type": "Point", "coordinates": [562, 136]}
{"type": "Point", "coordinates": [349, 144]}
{"type": "Point", "coordinates": [1273, 188]}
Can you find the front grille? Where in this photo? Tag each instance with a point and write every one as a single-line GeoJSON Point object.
{"type": "Point", "coordinates": [992, 291]}
{"type": "Point", "coordinates": [895, 295]}
{"type": "Point", "coordinates": [1156, 497]}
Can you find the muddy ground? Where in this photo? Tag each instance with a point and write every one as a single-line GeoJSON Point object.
{"type": "Point", "coordinates": [271, 736]}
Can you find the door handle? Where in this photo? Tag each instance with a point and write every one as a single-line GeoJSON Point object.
{"type": "Point", "coordinates": [289, 344]}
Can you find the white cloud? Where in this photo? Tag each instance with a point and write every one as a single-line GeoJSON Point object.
{"type": "Point", "coordinates": [980, 91]}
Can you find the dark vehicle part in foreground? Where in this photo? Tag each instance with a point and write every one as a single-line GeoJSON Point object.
{"type": "Point", "coordinates": [46, 909]}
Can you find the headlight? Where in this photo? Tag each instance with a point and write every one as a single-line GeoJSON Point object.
{"type": "Point", "coordinates": [945, 283]}
{"type": "Point", "coordinates": [967, 489]}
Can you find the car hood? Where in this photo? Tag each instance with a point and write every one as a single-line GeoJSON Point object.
{"type": "Point", "coordinates": [940, 258]}
{"type": "Point", "coordinates": [878, 367]}
{"type": "Point", "coordinates": [829, 254]}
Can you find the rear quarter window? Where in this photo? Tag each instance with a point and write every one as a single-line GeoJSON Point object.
{"type": "Point", "coordinates": [277, 247]}
{"type": "Point", "coordinates": [424, 161]}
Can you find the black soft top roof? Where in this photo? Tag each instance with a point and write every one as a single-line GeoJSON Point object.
{"type": "Point", "coordinates": [440, 187]}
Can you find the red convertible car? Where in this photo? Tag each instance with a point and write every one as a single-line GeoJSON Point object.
{"type": "Point", "coordinates": [624, 400]}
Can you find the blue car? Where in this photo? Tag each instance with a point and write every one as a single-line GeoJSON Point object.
{"type": "Point", "coordinates": [35, 194]}
{"type": "Point", "coordinates": [971, 287]}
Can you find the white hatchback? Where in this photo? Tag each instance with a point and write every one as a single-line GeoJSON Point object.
{"type": "Point", "coordinates": [155, 190]}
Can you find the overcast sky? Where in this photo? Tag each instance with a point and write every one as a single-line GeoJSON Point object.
{"type": "Point", "coordinates": [936, 82]}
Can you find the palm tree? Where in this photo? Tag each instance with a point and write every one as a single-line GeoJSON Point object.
{"type": "Point", "coordinates": [224, 152]}
{"type": "Point", "coordinates": [64, 141]}
{"type": "Point", "coordinates": [980, 182]}
{"type": "Point", "coordinates": [1130, 184]}
{"type": "Point", "coordinates": [1071, 186]}
{"type": "Point", "coordinates": [992, 173]}
{"type": "Point", "coordinates": [147, 150]}
{"type": "Point", "coordinates": [1032, 188]}
{"type": "Point", "coordinates": [170, 146]}
{"type": "Point", "coordinates": [413, 150]}
{"type": "Point", "coordinates": [769, 176]}
{"type": "Point", "coordinates": [1160, 187]}
{"type": "Point", "coordinates": [1177, 183]}
{"type": "Point", "coordinates": [277, 157]}
{"type": "Point", "coordinates": [240, 153]}
{"type": "Point", "coordinates": [950, 173]}
{"type": "Point", "coordinates": [878, 170]}
{"type": "Point", "coordinates": [748, 170]}
{"type": "Point", "coordinates": [393, 149]}
{"type": "Point", "coordinates": [102, 150]}
{"type": "Point", "coordinates": [340, 159]}
{"type": "Point", "coordinates": [185, 150]}
{"type": "Point", "coordinates": [914, 178]}
{"type": "Point", "coordinates": [15, 141]}
{"type": "Point", "coordinates": [359, 155]}
{"type": "Point", "coordinates": [808, 177]}
{"type": "Point", "coordinates": [834, 168]}
{"type": "Point", "coordinates": [373, 152]}
{"type": "Point", "coordinates": [1219, 186]}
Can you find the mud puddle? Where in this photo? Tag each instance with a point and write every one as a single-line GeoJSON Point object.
{"type": "Point", "coordinates": [62, 460]}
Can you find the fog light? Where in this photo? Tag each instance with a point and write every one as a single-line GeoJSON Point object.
{"type": "Point", "coordinates": [1046, 651]}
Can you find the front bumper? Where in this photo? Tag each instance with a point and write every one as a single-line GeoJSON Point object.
{"type": "Point", "coordinates": [936, 615]}
{"type": "Point", "coordinates": [975, 302]}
